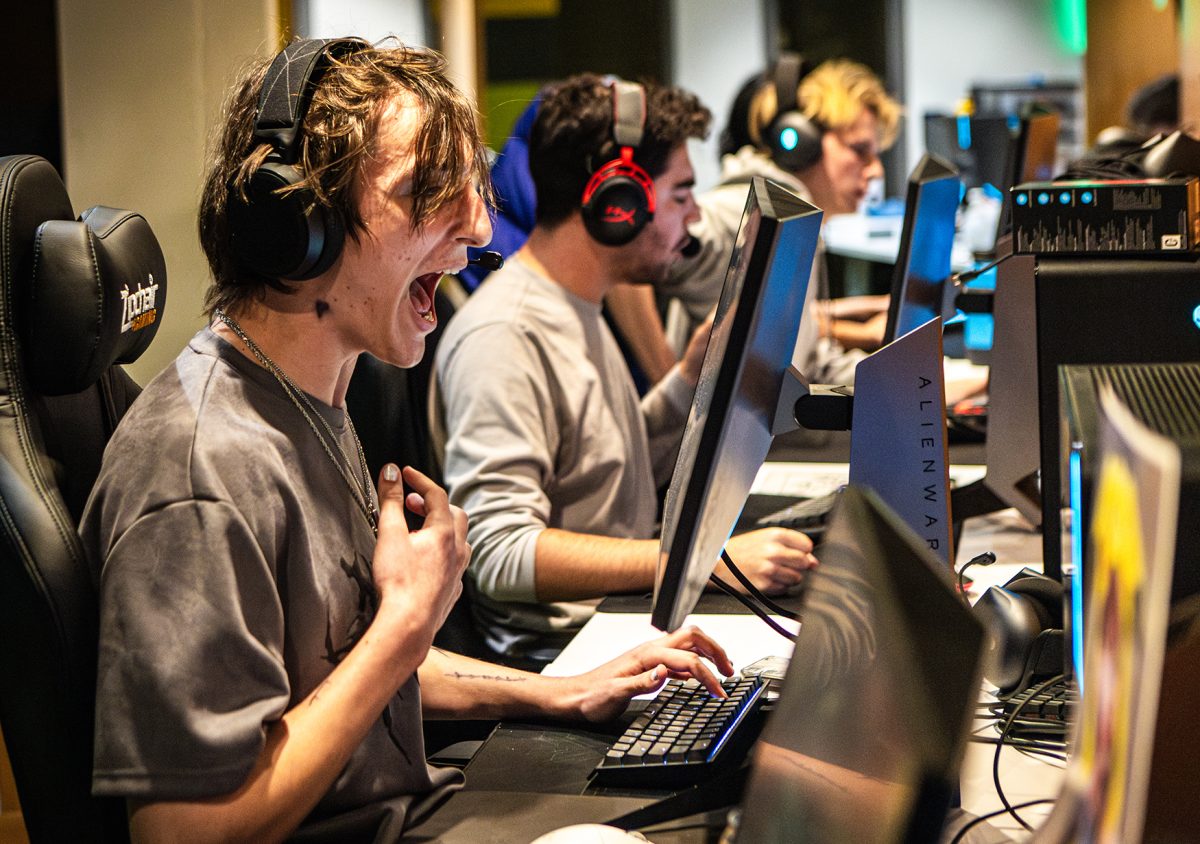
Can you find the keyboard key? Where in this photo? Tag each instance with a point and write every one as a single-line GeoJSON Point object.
{"type": "Point", "coordinates": [669, 743]}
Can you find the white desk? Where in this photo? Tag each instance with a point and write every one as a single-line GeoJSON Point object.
{"type": "Point", "coordinates": [870, 238]}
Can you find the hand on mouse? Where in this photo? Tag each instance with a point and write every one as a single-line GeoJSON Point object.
{"type": "Point", "coordinates": [603, 693]}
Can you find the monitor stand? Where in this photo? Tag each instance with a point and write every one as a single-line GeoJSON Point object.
{"type": "Point", "coordinates": [896, 414]}
{"type": "Point", "coordinates": [1011, 452]}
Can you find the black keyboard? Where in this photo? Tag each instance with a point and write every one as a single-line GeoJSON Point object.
{"type": "Point", "coordinates": [808, 514]}
{"type": "Point", "coordinates": [684, 735]}
{"type": "Point", "coordinates": [1049, 712]}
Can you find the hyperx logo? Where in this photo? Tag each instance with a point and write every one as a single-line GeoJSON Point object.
{"type": "Point", "coordinates": [617, 214]}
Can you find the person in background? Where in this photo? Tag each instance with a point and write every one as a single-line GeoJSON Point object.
{"type": "Point", "coordinates": [841, 118]}
{"type": "Point", "coordinates": [545, 443]}
{"type": "Point", "coordinates": [266, 616]}
{"type": "Point", "coordinates": [514, 217]}
{"type": "Point", "coordinates": [1152, 109]}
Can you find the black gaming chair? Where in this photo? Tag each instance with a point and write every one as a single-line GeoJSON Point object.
{"type": "Point", "coordinates": [76, 298]}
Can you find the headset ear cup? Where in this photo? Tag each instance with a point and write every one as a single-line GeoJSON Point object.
{"type": "Point", "coordinates": [282, 235]}
{"type": "Point", "coordinates": [616, 210]}
{"type": "Point", "coordinates": [795, 141]}
{"type": "Point", "coordinates": [1045, 596]}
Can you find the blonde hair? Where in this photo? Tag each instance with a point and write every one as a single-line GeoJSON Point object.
{"type": "Point", "coordinates": [833, 96]}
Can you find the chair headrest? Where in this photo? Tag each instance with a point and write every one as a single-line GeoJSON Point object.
{"type": "Point", "coordinates": [95, 298]}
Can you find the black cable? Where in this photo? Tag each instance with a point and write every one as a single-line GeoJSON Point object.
{"type": "Point", "coordinates": [1044, 752]}
{"type": "Point", "coordinates": [967, 276]}
{"type": "Point", "coordinates": [1047, 747]}
{"type": "Point", "coordinates": [1003, 734]}
{"type": "Point", "coordinates": [750, 605]}
{"type": "Point", "coordinates": [759, 596]}
{"type": "Point", "coordinates": [984, 559]}
{"type": "Point", "coordinates": [662, 830]}
{"type": "Point", "coordinates": [974, 822]}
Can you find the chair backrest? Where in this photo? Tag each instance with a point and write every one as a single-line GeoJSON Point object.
{"type": "Point", "coordinates": [77, 297]}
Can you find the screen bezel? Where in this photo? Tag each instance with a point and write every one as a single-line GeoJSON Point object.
{"type": "Point", "coordinates": [728, 431]}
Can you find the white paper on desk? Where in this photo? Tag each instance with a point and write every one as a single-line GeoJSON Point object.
{"type": "Point", "coordinates": [807, 480]}
{"type": "Point", "coordinates": [810, 480]}
{"type": "Point", "coordinates": [607, 635]}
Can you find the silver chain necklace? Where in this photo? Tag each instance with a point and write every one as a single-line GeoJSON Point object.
{"type": "Point", "coordinates": [360, 487]}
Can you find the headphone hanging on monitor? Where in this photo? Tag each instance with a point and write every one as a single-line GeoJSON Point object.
{"type": "Point", "coordinates": [287, 235]}
{"type": "Point", "coordinates": [793, 139]}
{"type": "Point", "coordinates": [619, 198]}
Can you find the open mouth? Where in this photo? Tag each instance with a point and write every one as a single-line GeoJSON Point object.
{"type": "Point", "coordinates": [423, 289]}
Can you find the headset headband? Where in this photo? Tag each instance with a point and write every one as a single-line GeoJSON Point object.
{"type": "Point", "coordinates": [629, 113]}
{"type": "Point", "coordinates": [788, 72]}
{"type": "Point", "coordinates": [288, 88]}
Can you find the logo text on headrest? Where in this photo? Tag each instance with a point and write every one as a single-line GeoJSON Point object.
{"type": "Point", "coordinates": [139, 308]}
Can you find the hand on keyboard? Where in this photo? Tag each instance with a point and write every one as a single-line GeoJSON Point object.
{"type": "Point", "coordinates": [603, 694]}
{"type": "Point", "coordinates": [683, 735]}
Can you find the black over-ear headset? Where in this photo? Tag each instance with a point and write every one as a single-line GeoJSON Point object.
{"type": "Point", "coordinates": [619, 198]}
{"type": "Point", "coordinates": [287, 235]}
{"type": "Point", "coordinates": [794, 140]}
{"type": "Point", "coordinates": [1024, 620]}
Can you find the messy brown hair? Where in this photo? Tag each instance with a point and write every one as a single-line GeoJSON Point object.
{"type": "Point", "coordinates": [572, 138]}
{"type": "Point", "coordinates": [337, 139]}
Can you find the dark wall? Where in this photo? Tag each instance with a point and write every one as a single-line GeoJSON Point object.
{"type": "Point", "coordinates": [29, 104]}
{"type": "Point", "coordinates": [630, 38]}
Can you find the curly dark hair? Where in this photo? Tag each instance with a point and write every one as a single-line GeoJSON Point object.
{"type": "Point", "coordinates": [572, 138]}
{"type": "Point", "coordinates": [338, 138]}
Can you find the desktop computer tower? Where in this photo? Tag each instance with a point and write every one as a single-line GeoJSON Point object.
{"type": "Point", "coordinates": [1104, 311]}
{"type": "Point", "coordinates": [1132, 459]}
{"type": "Point", "coordinates": [1165, 397]}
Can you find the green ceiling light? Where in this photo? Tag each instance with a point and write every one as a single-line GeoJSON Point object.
{"type": "Point", "coordinates": [1160, 5]}
{"type": "Point", "coordinates": [1070, 23]}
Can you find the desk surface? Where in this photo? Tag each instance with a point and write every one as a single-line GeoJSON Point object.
{"type": "Point", "coordinates": [529, 778]}
{"type": "Point", "coordinates": [877, 238]}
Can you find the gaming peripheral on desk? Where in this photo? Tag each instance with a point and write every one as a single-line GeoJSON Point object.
{"type": "Point", "coordinates": [684, 735]}
{"type": "Point", "coordinates": [807, 515]}
{"type": "Point", "coordinates": [1038, 712]}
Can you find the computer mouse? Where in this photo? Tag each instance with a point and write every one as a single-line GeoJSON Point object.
{"type": "Point", "coordinates": [588, 833]}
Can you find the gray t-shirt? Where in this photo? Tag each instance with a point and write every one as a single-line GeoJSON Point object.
{"type": "Point", "coordinates": [540, 426]}
{"type": "Point", "coordinates": [236, 574]}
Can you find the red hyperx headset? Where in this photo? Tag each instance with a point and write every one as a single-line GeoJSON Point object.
{"type": "Point", "coordinates": [619, 198]}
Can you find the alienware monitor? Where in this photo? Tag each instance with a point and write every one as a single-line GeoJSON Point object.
{"type": "Point", "coordinates": [926, 241]}
{"type": "Point", "coordinates": [728, 431]}
{"type": "Point", "coordinates": [868, 734]}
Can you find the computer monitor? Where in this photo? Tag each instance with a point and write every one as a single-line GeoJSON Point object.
{"type": "Point", "coordinates": [926, 241]}
{"type": "Point", "coordinates": [729, 429]}
{"type": "Point", "coordinates": [1034, 156]}
{"type": "Point", "coordinates": [866, 739]}
{"type": "Point", "coordinates": [978, 146]}
{"type": "Point", "coordinates": [1037, 146]}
